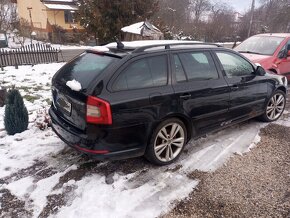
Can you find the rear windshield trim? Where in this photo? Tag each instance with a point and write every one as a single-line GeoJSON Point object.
{"type": "Point", "coordinates": [104, 53]}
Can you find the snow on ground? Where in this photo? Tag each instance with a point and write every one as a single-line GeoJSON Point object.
{"type": "Point", "coordinates": [27, 41]}
{"type": "Point", "coordinates": [284, 121]}
{"type": "Point", "coordinates": [52, 179]}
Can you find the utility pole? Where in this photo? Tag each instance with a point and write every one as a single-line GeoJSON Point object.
{"type": "Point", "coordinates": [252, 16]}
{"type": "Point", "coordinates": [31, 24]}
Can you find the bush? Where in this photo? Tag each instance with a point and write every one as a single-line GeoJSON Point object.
{"type": "Point", "coordinates": [42, 120]}
{"type": "Point", "coordinates": [16, 115]}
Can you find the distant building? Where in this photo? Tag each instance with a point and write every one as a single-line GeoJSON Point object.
{"type": "Point", "coordinates": [141, 31]}
{"type": "Point", "coordinates": [238, 17]}
{"type": "Point", "coordinates": [42, 14]}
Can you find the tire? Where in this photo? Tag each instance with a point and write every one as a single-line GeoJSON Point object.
{"type": "Point", "coordinates": [167, 142]}
{"type": "Point", "coordinates": [274, 107]}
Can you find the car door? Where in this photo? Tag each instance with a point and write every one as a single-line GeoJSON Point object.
{"type": "Point", "coordinates": [248, 93]}
{"type": "Point", "coordinates": [284, 61]}
{"type": "Point", "coordinates": [200, 90]}
{"type": "Point", "coordinates": [140, 92]}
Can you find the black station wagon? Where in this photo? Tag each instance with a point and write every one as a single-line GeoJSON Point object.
{"type": "Point", "coordinates": [152, 99]}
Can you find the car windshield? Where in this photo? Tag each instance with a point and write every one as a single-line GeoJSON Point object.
{"type": "Point", "coordinates": [264, 45]}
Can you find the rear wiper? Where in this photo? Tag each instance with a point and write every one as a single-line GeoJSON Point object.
{"type": "Point", "coordinates": [249, 52]}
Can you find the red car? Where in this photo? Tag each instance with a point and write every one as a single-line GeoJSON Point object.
{"type": "Point", "coordinates": [271, 50]}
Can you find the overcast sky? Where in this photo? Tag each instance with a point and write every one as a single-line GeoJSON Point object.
{"type": "Point", "coordinates": [241, 5]}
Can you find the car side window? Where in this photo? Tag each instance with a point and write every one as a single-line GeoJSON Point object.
{"type": "Point", "coordinates": [234, 65]}
{"type": "Point", "coordinates": [179, 71]}
{"type": "Point", "coordinates": [198, 66]}
{"type": "Point", "coordinates": [143, 73]}
{"type": "Point", "coordinates": [283, 50]}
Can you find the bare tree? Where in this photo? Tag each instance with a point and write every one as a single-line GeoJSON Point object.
{"type": "Point", "coordinates": [271, 16]}
{"type": "Point", "coordinates": [220, 26]}
{"type": "Point", "coordinates": [199, 7]}
{"type": "Point", "coordinates": [173, 14]}
{"type": "Point", "coordinates": [7, 14]}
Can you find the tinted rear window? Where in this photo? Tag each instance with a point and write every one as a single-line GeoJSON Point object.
{"type": "Point", "coordinates": [143, 73]}
{"type": "Point", "coordinates": [84, 69]}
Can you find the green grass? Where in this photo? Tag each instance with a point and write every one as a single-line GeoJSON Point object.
{"type": "Point", "coordinates": [48, 100]}
{"type": "Point", "coordinates": [31, 98]}
{"type": "Point", "coordinates": [37, 88]}
{"type": "Point", "coordinates": [24, 88]}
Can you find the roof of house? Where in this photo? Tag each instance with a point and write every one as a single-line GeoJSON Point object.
{"type": "Point", "coordinates": [61, 4]}
{"type": "Point", "coordinates": [59, 1]}
{"type": "Point", "coordinates": [138, 28]}
{"type": "Point", "coordinates": [61, 7]}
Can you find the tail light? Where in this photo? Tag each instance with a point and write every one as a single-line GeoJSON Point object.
{"type": "Point", "coordinates": [98, 111]}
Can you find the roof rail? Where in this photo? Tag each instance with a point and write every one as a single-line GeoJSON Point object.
{"type": "Point", "coordinates": [168, 46]}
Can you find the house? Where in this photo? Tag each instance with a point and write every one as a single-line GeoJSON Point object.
{"type": "Point", "coordinates": [141, 31]}
{"type": "Point", "coordinates": [43, 14]}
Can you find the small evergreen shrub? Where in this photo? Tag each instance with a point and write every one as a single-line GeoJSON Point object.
{"type": "Point", "coordinates": [16, 115]}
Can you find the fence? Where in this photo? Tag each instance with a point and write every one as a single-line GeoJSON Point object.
{"type": "Point", "coordinates": [30, 54]}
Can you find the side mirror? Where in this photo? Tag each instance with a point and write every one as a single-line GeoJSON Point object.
{"type": "Point", "coordinates": [260, 71]}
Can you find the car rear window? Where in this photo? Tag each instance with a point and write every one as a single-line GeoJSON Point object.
{"type": "Point", "coordinates": [85, 68]}
{"type": "Point", "coordinates": [143, 73]}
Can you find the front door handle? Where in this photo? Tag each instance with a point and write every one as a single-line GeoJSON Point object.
{"type": "Point", "coordinates": [185, 96]}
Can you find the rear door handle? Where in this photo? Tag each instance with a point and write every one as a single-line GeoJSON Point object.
{"type": "Point", "coordinates": [234, 87]}
{"type": "Point", "coordinates": [185, 96]}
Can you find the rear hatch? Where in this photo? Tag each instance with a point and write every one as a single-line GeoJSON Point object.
{"type": "Point", "coordinates": [71, 83]}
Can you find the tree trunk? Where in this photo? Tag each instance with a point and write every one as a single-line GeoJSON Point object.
{"type": "Point", "coordinates": [3, 94]}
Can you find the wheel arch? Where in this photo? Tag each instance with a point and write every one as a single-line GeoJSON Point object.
{"type": "Point", "coordinates": [282, 88]}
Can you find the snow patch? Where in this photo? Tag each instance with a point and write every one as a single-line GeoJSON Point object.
{"type": "Point", "coordinates": [43, 188]}
{"type": "Point", "coordinates": [20, 187]}
{"type": "Point", "coordinates": [100, 48]}
{"type": "Point", "coordinates": [123, 200]}
{"type": "Point", "coordinates": [284, 120]}
{"type": "Point", "coordinates": [136, 28]}
{"type": "Point", "coordinates": [217, 148]}
{"type": "Point", "coordinates": [74, 85]}
{"type": "Point", "coordinates": [140, 43]}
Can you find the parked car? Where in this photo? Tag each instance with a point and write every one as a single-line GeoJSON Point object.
{"type": "Point", "coordinates": [116, 103]}
{"type": "Point", "coordinates": [271, 50]}
{"type": "Point", "coordinates": [3, 40]}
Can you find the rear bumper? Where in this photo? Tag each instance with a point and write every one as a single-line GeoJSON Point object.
{"type": "Point", "coordinates": [98, 149]}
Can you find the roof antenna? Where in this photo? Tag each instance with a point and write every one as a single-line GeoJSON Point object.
{"type": "Point", "coordinates": [120, 45]}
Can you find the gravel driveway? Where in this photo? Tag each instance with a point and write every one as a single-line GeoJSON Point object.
{"type": "Point", "coordinates": [256, 184]}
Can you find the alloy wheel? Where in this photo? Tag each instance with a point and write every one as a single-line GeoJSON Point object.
{"type": "Point", "coordinates": [169, 142]}
{"type": "Point", "coordinates": [275, 106]}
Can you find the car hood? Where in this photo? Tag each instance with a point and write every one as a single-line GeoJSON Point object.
{"type": "Point", "coordinates": [256, 58]}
